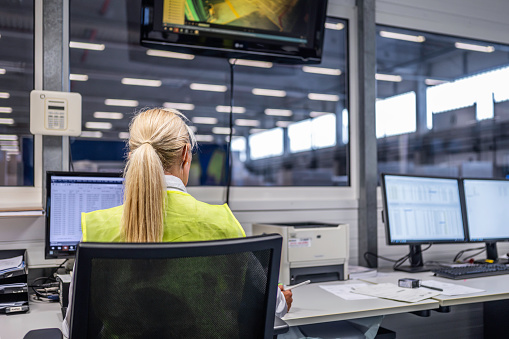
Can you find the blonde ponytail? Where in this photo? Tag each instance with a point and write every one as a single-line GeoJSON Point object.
{"type": "Point", "coordinates": [157, 137]}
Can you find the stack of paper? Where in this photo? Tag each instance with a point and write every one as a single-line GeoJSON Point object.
{"type": "Point", "coordinates": [360, 272]}
{"type": "Point", "coordinates": [11, 265]}
{"type": "Point", "coordinates": [394, 292]}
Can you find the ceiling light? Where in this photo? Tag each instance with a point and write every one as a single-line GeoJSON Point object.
{"type": "Point", "coordinates": [2, 70]}
{"type": "Point", "coordinates": [5, 121]}
{"type": "Point", "coordinates": [119, 102]}
{"type": "Point", "coordinates": [91, 134]}
{"type": "Point", "coordinates": [204, 138]}
{"type": "Point", "coordinates": [283, 124]}
{"type": "Point", "coordinates": [8, 137]}
{"type": "Point", "coordinates": [86, 45]}
{"type": "Point", "coordinates": [12, 152]}
{"type": "Point", "coordinates": [166, 54]}
{"type": "Point", "coordinates": [9, 148]}
{"type": "Point", "coordinates": [5, 109]}
{"type": "Point", "coordinates": [339, 26]}
{"type": "Point", "coordinates": [226, 109]}
{"type": "Point", "coordinates": [98, 125]}
{"type": "Point", "coordinates": [321, 70]}
{"type": "Point", "coordinates": [323, 97]}
{"type": "Point", "coordinates": [207, 87]}
{"type": "Point", "coordinates": [179, 106]}
{"type": "Point", "coordinates": [8, 142]}
{"type": "Point", "coordinates": [257, 130]}
{"type": "Point", "coordinates": [78, 77]}
{"type": "Point", "coordinates": [433, 82]}
{"type": "Point", "coordinates": [108, 115]}
{"type": "Point", "coordinates": [193, 128]}
{"type": "Point", "coordinates": [204, 120]}
{"type": "Point", "coordinates": [141, 82]}
{"type": "Point", "coordinates": [388, 77]}
{"type": "Point", "coordinates": [315, 114]}
{"type": "Point", "coordinates": [123, 135]}
{"type": "Point", "coordinates": [472, 47]}
{"type": "Point", "coordinates": [279, 112]}
{"type": "Point", "coordinates": [399, 36]}
{"type": "Point", "coordinates": [4, 95]}
{"type": "Point", "coordinates": [269, 92]}
{"type": "Point", "coordinates": [222, 130]}
{"type": "Point", "coordinates": [247, 122]}
{"type": "Point", "coordinates": [251, 63]}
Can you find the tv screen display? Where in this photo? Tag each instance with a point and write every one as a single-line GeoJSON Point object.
{"type": "Point", "coordinates": [288, 31]}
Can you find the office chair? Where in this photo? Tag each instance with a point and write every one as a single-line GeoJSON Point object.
{"type": "Point", "coordinates": [208, 289]}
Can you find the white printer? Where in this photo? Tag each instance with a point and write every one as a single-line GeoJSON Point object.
{"type": "Point", "coordinates": [311, 250]}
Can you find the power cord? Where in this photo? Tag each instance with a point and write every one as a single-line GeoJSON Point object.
{"type": "Point", "coordinates": [460, 253]}
{"type": "Point", "coordinates": [397, 262]}
{"type": "Point", "coordinates": [229, 144]}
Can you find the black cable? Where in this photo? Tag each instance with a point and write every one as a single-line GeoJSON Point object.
{"type": "Point", "coordinates": [402, 260]}
{"type": "Point", "coordinates": [473, 255]}
{"type": "Point", "coordinates": [460, 253]}
{"type": "Point", "coordinates": [229, 145]}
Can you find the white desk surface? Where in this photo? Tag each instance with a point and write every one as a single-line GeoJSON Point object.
{"type": "Point", "coordinates": [41, 315]}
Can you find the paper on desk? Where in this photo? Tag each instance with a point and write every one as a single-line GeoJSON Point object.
{"type": "Point", "coordinates": [451, 289]}
{"type": "Point", "coordinates": [11, 263]}
{"type": "Point", "coordinates": [394, 292]}
{"type": "Point", "coordinates": [345, 291]}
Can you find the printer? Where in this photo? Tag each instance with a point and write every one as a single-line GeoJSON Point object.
{"type": "Point", "coordinates": [311, 251]}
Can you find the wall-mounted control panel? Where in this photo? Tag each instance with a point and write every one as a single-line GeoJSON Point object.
{"type": "Point", "coordinates": [55, 113]}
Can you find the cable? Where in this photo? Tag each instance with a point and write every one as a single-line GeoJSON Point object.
{"type": "Point", "coordinates": [460, 253]}
{"type": "Point", "coordinates": [229, 145]}
{"type": "Point", "coordinates": [402, 260]}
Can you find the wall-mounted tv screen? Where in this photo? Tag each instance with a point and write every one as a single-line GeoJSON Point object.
{"type": "Point", "coordinates": [287, 31]}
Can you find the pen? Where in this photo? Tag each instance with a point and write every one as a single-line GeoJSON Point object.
{"type": "Point", "coordinates": [287, 288]}
{"type": "Point", "coordinates": [433, 288]}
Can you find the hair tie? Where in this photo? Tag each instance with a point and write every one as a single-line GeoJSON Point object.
{"type": "Point", "coordinates": [146, 142]}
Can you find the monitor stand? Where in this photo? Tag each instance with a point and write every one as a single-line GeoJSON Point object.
{"type": "Point", "coordinates": [416, 262]}
{"type": "Point", "coordinates": [492, 253]}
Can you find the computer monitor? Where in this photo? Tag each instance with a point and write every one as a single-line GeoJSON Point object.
{"type": "Point", "coordinates": [68, 194]}
{"type": "Point", "coordinates": [487, 212]}
{"type": "Point", "coordinates": [421, 210]}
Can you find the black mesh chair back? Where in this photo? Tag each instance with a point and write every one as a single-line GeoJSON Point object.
{"type": "Point", "coordinates": [210, 289]}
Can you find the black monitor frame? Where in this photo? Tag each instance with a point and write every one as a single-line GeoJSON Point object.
{"type": "Point", "coordinates": [47, 248]}
{"type": "Point", "coordinates": [415, 253]}
{"type": "Point", "coordinates": [491, 243]}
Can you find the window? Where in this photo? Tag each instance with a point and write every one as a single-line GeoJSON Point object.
{"type": "Point", "coordinates": [442, 105]}
{"type": "Point", "coordinates": [116, 77]}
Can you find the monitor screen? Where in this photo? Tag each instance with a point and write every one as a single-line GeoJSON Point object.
{"type": "Point", "coordinates": [68, 194]}
{"type": "Point", "coordinates": [487, 209]}
{"type": "Point", "coordinates": [420, 210]}
{"type": "Point", "coordinates": [285, 30]}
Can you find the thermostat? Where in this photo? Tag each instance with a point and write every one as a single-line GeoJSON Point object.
{"type": "Point", "coordinates": [55, 113]}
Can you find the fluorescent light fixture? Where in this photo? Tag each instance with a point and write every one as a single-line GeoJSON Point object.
{"type": "Point", "coordinates": [4, 95]}
{"type": "Point", "coordinates": [278, 112]}
{"type": "Point", "coordinates": [91, 134]}
{"type": "Point", "coordinates": [269, 92]}
{"type": "Point", "coordinates": [141, 82]}
{"type": "Point", "coordinates": [166, 54]}
{"type": "Point", "coordinates": [472, 47]}
{"type": "Point", "coordinates": [283, 124]}
{"type": "Point", "coordinates": [2, 70]}
{"type": "Point", "coordinates": [193, 128]}
{"type": "Point", "coordinates": [433, 82]}
{"type": "Point", "coordinates": [388, 77]}
{"type": "Point", "coordinates": [207, 87]}
{"type": "Point", "coordinates": [315, 114]}
{"type": "Point", "coordinates": [247, 122]}
{"type": "Point", "coordinates": [123, 135]}
{"type": "Point", "coordinates": [257, 130]}
{"type": "Point", "coordinates": [98, 125]}
{"type": "Point", "coordinates": [78, 77]}
{"type": "Point", "coordinates": [8, 142]}
{"type": "Point", "coordinates": [323, 97]}
{"type": "Point", "coordinates": [5, 121]}
{"type": "Point", "coordinates": [321, 70]}
{"type": "Point", "coordinates": [120, 102]}
{"type": "Point", "coordinates": [86, 45]}
{"type": "Point", "coordinates": [12, 152]}
{"type": "Point", "coordinates": [179, 105]}
{"type": "Point", "coordinates": [108, 115]}
{"type": "Point", "coordinates": [399, 36]}
{"type": "Point", "coordinates": [222, 130]}
{"type": "Point", "coordinates": [8, 137]}
{"type": "Point", "coordinates": [204, 138]}
{"type": "Point", "coordinates": [5, 109]}
{"type": "Point", "coordinates": [204, 120]}
{"type": "Point", "coordinates": [226, 109]}
{"type": "Point", "coordinates": [251, 63]}
{"type": "Point", "coordinates": [9, 148]}
{"type": "Point", "coordinates": [339, 26]}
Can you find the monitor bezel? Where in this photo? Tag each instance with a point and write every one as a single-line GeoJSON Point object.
{"type": "Point", "coordinates": [49, 175]}
{"type": "Point", "coordinates": [385, 217]}
{"type": "Point", "coordinates": [486, 240]}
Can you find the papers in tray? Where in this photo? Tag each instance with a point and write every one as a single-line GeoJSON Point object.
{"type": "Point", "coordinates": [394, 292]}
{"type": "Point", "coordinates": [11, 264]}
{"type": "Point", "coordinates": [451, 289]}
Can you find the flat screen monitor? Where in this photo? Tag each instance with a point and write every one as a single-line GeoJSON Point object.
{"type": "Point", "coordinates": [422, 210]}
{"type": "Point", "coordinates": [288, 31]}
{"type": "Point", "coordinates": [487, 212]}
{"type": "Point", "coordinates": [68, 194]}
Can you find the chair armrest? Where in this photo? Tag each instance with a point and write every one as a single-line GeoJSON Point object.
{"type": "Point", "coordinates": [280, 326]}
{"type": "Point", "coordinates": [45, 333]}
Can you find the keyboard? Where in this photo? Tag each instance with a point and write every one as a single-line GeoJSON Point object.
{"type": "Point", "coordinates": [473, 271]}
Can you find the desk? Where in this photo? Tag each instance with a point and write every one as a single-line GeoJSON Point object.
{"type": "Point", "coordinates": [41, 315]}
